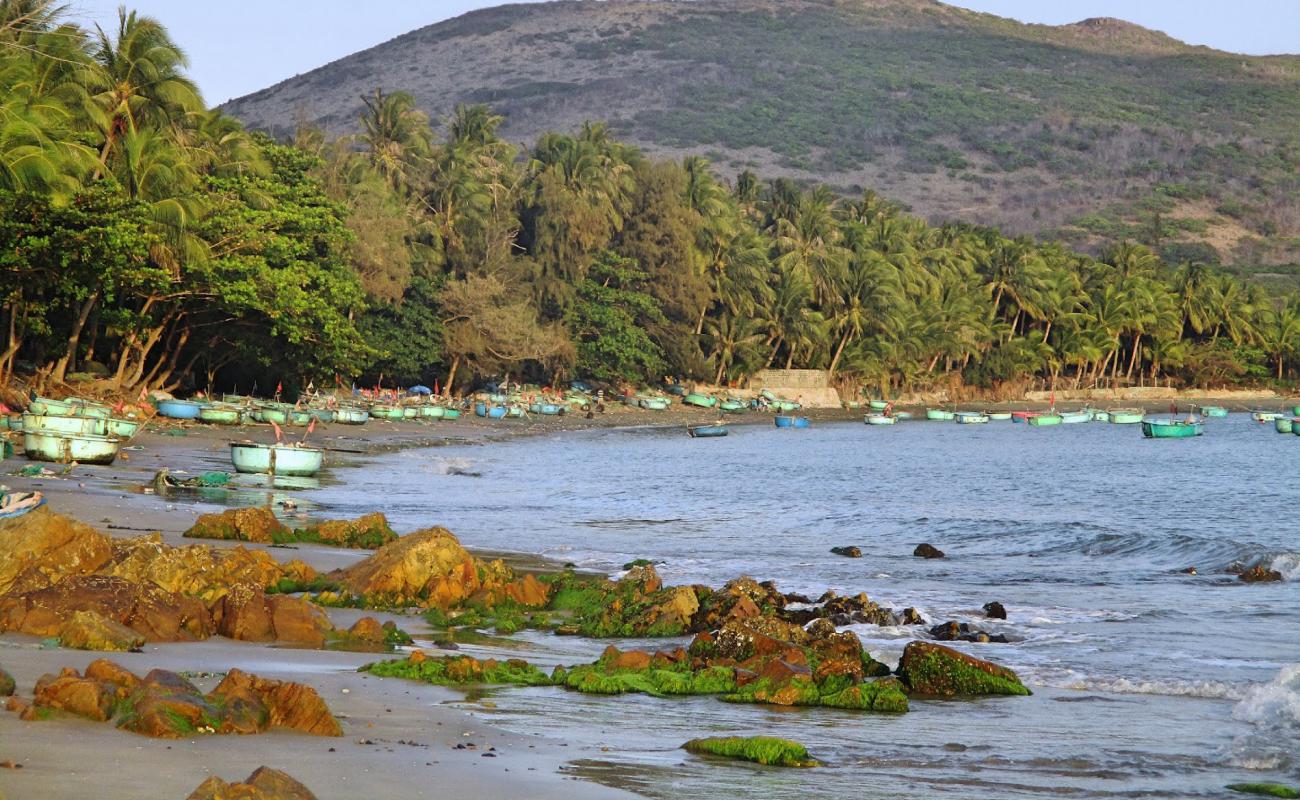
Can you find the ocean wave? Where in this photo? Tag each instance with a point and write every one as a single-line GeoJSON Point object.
{"type": "Point", "coordinates": [1214, 690]}
{"type": "Point", "coordinates": [1273, 711]}
{"type": "Point", "coordinates": [1288, 564]}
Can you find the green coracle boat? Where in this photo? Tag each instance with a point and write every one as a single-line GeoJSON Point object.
{"type": "Point", "coordinates": [1044, 420]}
{"type": "Point", "coordinates": [970, 418]}
{"type": "Point", "coordinates": [451, 413]}
{"type": "Point", "coordinates": [940, 414]}
{"type": "Point", "coordinates": [299, 418]}
{"type": "Point", "coordinates": [219, 415]}
{"type": "Point", "coordinates": [386, 412]}
{"type": "Point", "coordinates": [1284, 425]}
{"type": "Point", "coordinates": [280, 416]}
{"type": "Point", "coordinates": [321, 414]}
{"type": "Point", "coordinates": [1075, 417]}
{"type": "Point", "coordinates": [878, 405]}
{"type": "Point", "coordinates": [902, 415]}
{"type": "Point", "coordinates": [410, 412]}
{"type": "Point", "coordinates": [654, 403]}
{"type": "Point", "coordinates": [1125, 416]}
{"type": "Point", "coordinates": [700, 400]}
{"type": "Point", "coordinates": [879, 419]}
{"type": "Point", "coordinates": [47, 406]}
{"type": "Point", "coordinates": [64, 448]}
{"type": "Point", "coordinates": [1100, 416]}
{"type": "Point", "coordinates": [57, 423]}
{"type": "Point", "coordinates": [1218, 412]}
{"type": "Point", "coordinates": [123, 428]}
{"type": "Point", "coordinates": [998, 416]}
{"type": "Point", "coordinates": [1172, 428]}
{"type": "Point", "coordinates": [276, 459]}
{"type": "Point", "coordinates": [732, 406]}
{"type": "Point", "coordinates": [351, 416]}
{"type": "Point", "coordinates": [432, 412]}
{"type": "Point", "coordinates": [785, 405]}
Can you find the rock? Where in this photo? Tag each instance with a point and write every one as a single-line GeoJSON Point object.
{"type": "Point", "coordinates": [632, 659]}
{"type": "Point", "coordinates": [7, 684]}
{"type": "Point", "coordinates": [264, 784]}
{"type": "Point", "coordinates": [1259, 574]}
{"type": "Point", "coordinates": [927, 551]}
{"type": "Point", "coordinates": [741, 598]}
{"type": "Point", "coordinates": [933, 670]}
{"type": "Point", "coordinates": [428, 567]}
{"type": "Point", "coordinates": [994, 610]}
{"type": "Point", "coordinates": [153, 612]}
{"type": "Point", "coordinates": [90, 630]}
{"type": "Point", "coordinates": [289, 705]}
{"type": "Point", "coordinates": [849, 551]}
{"type": "Point", "coordinates": [16, 704]}
{"type": "Point", "coordinates": [912, 617]}
{"type": "Point", "coordinates": [249, 614]}
{"type": "Point", "coordinates": [199, 570]}
{"type": "Point", "coordinates": [167, 706]}
{"type": "Point", "coordinates": [368, 630]}
{"type": "Point", "coordinates": [963, 632]}
{"type": "Point", "coordinates": [84, 697]}
{"type": "Point", "coordinates": [106, 671]}
{"type": "Point", "coordinates": [367, 532]}
{"type": "Point", "coordinates": [528, 592]}
{"type": "Point", "coordinates": [644, 577]}
{"type": "Point", "coordinates": [243, 524]}
{"type": "Point", "coordinates": [40, 548]}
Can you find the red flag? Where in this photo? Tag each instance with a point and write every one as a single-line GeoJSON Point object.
{"type": "Point", "coordinates": [279, 387]}
{"type": "Point", "coordinates": [311, 426]}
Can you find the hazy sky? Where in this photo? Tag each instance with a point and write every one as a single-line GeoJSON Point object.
{"type": "Point", "coordinates": [240, 46]}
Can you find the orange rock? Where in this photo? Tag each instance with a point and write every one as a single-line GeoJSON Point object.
{"type": "Point", "coordinates": [40, 548]}
{"type": "Point", "coordinates": [529, 592]}
{"type": "Point", "coordinates": [243, 613]}
{"type": "Point", "coordinates": [367, 629]}
{"type": "Point", "coordinates": [417, 657]}
{"type": "Point", "coordinates": [296, 621]}
{"type": "Point", "coordinates": [101, 669]}
{"type": "Point", "coordinates": [90, 630]}
{"type": "Point", "coordinates": [632, 659]}
{"type": "Point", "coordinates": [243, 524]}
{"type": "Point", "coordinates": [83, 697]}
{"type": "Point", "coordinates": [289, 705]}
{"type": "Point", "coordinates": [200, 570]}
{"type": "Point", "coordinates": [153, 612]}
{"type": "Point", "coordinates": [428, 567]}
{"type": "Point", "coordinates": [264, 784]}
{"type": "Point", "coordinates": [16, 705]}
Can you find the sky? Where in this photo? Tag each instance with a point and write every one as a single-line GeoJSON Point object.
{"type": "Point", "coordinates": [239, 46]}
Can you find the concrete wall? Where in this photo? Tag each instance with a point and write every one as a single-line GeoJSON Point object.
{"type": "Point", "coordinates": [790, 378]}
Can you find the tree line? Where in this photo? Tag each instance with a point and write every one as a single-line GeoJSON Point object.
{"type": "Point", "coordinates": [154, 242]}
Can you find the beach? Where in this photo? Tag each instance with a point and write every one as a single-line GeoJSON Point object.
{"type": "Point", "coordinates": [403, 738]}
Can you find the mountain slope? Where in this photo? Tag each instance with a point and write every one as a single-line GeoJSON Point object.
{"type": "Point", "coordinates": [1091, 131]}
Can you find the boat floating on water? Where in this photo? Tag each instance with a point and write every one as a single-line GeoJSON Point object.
{"type": "Point", "coordinates": [940, 414]}
{"type": "Point", "coordinates": [1217, 412]}
{"type": "Point", "coordinates": [879, 419]}
{"type": "Point", "coordinates": [1125, 416]}
{"type": "Point", "coordinates": [1284, 425]}
{"type": "Point", "coordinates": [1172, 428]}
{"type": "Point", "coordinates": [970, 418]}
{"type": "Point", "coordinates": [783, 421]}
{"type": "Point", "coordinates": [1040, 420]}
{"type": "Point", "coordinates": [706, 431]}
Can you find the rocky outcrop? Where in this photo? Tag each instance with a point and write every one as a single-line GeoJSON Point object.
{"type": "Point", "coordinates": [1259, 574]}
{"type": "Point", "coordinates": [927, 551]}
{"type": "Point", "coordinates": [848, 551]}
{"type": "Point", "coordinates": [264, 784]}
{"type": "Point", "coordinates": [246, 612]}
{"type": "Point", "coordinates": [953, 631]}
{"type": "Point", "coordinates": [995, 610]}
{"type": "Point", "coordinates": [367, 532]}
{"type": "Point", "coordinates": [199, 570]}
{"type": "Point", "coordinates": [90, 630]}
{"type": "Point", "coordinates": [241, 524]}
{"type": "Point", "coordinates": [426, 568]}
{"type": "Point", "coordinates": [151, 611]}
{"type": "Point", "coordinates": [41, 548]}
{"type": "Point", "coordinates": [163, 704]}
{"type": "Point", "coordinates": [932, 670]}
{"type": "Point", "coordinates": [7, 685]}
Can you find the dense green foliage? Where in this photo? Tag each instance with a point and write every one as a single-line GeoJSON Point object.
{"type": "Point", "coordinates": [460, 671]}
{"type": "Point", "coordinates": [1265, 789]}
{"type": "Point", "coordinates": [766, 750]}
{"type": "Point", "coordinates": [158, 243]}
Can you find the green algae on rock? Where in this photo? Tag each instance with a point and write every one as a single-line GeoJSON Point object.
{"type": "Point", "coordinates": [459, 670]}
{"type": "Point", "coordinates": [765, 750]}
{"type": "Point", "coordinates": [1265, 789]}
{"type": "Point", "coordinates": [932, 670]}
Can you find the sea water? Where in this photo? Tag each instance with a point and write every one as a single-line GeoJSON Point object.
{"type": "Point", "coordinates": [1147, 681]}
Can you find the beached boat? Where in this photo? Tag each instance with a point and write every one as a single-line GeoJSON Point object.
{"type": "Point", "coordinates": [998, 416]}
{"type": "Point", "coordinates": [1266, 416]}
{"type": "Point", "coordinates": [179, 409]}
{"type": "Point", "coordinates": [1217, 412]}
{"type": "Point", "coordinates": [878, 405]}
{"type": "Point", "coordinates": [89, 408]}
{"type": "Point", "coordinates": [1039, 420]}
{"type": "Point", "coordinates": [707, 431]}
{"type": "Point", "coordinates": [700, 400]}
{"type": "Point", "coordinates": [1295, 425]}
{"type": "Point", "coordinates": [451, 413]}
{"type": "Point", "coordinates": [1153, 428]}
{"type": "Point", "coordinates": [49, 406]}
{"type": "Point", "coordinates": [58, 423]}
{"type": "Point", "coordinates": [675, 389]}
{"type": "Point", "coordinates": [299, 418]}
{"type": "Point", "coordinates": [432, 412]}
{"type": "Point", "coordinates": [970, 418]}
{"type": "Point", "coordinates": [123, 428]}
{"type": "Point", "coordinates": [784, 405]}
{"type": "Point", "coordinates": [1125, 416]}
{"type": "Point", "coordinates": [901, 415]}
{"type": "Point", "coordinates": [879, 419]}
{"type": "Point", "coordinates": [269, 414]}
{"type": "Point", "coordinates": [546, 409]}
{"type": "Point", "coordinates": [654, 403]}
{"type": "Point", "coordinates": [1284, 425]}
{"type": "Point", "coordinates": [219, 415]}
{"type": "Point", "coordinates": [514, 410]}
{"type": "Point", "coordinates": [64, 448]}
{"type": "Point", "coordinates": [321, 414]}
{"type": "Point", "coordinates": [276, 459]}
{"type": "Point", "coordinates": [410, 412]}
{"type": "Point", "coordinates": [732, 406]}
{"type": "Point", "coordinates": [783, 421]}
{"type": "Point", "coordinates": [940, 414]}
{"type": "Point", "coordinates": [351, 416]}
{"type": "Point", "coordinates": [383, 411]}
{"type": "Point", "coordinates": [1075, 417]}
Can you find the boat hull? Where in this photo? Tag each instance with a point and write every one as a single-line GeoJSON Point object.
{"type": "Point", "coordinates": [179, 409]}
{"type": "Point", "coordinates": [351, 416]}
{"type": "Point", "coordinates": [879, 419]}
{"type": "Point", "coordinates": [387, 412]}
{"type": "Point", "coordinates": [1043, 420]}
{"type": "Point", "coordinates": [64, 448]}
{"type": "Point", "coordinates": [265, 459]}
{"type": "Point", "coordinates": [783, 421]}
{"type": "Point", "coordinates": [1125, 417]}
{"type": "Point", "coordinates": [699, 400]}
{"type": "Point", "coordinates": [707, 431]}
{"type": "Point", "coordinates": [1217, 412]}
{"type": "Point", "coordinates": [970, 418]}
{"type": "Point", "coordinates": [1075, 417]}
{"type": "Point", "coordinates": [219, 416]}
{"type": "Point", "coordinates": [55, 423]}
{"type": "Point", "coordinates": [940, 415]}
{"type": "Point", "coordinates": [1284, 425]}
{"type": "Point", "coordinates": [878, 405]}
{"type": "Point", "coordinates": [1171, 429]}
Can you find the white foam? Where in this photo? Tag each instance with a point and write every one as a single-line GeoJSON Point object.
{"type": "Point", "coordinates": [1288, 564]}
{"type": "Point", "coordinates": [1214, 690]}
{"type": "Point", "coordinates": [1275, 704]}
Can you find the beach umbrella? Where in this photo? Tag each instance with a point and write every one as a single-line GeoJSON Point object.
{"type": "Point", "coordinates": [420, 389]}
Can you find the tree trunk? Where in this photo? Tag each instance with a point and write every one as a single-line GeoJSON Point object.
{"type": "Point", "coordinates": [1137, 347]}
{"type": "Point", "coordinates": [451, 375]}
{"type": "Point", "coordinates": [839, 351]}
{"type": "Point", "coordinates": [1047, 331]}
{"type": "Point", "coordinates": [69, 359]}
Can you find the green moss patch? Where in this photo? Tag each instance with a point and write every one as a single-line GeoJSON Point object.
{"type": "Point", "coordinates": [766, 750]}
{"type": "Point", "coordinates": [677, 679]}
{"type": "Point", "coordinates": [1265, 789]}
{"type": "Point", "coordinates": [460, 671]}
{"type": "Point", "coordinates": [933, 670]}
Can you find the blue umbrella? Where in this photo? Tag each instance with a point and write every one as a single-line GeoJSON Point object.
{"type": "Point", "coordinates": [420, 389]}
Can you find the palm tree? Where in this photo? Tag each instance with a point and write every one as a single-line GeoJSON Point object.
{"type": "Point", "coordinates": [731, 342]}
{"type": "Point", "coordinates": [396, 137]}
{"type": "Point", "coordinates": [138, 82]}
{"type": "Point", "coordinates": [1278, 331]}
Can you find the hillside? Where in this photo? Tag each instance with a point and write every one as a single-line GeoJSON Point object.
{"type": "Point", "coordinates": [1090, 132]}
